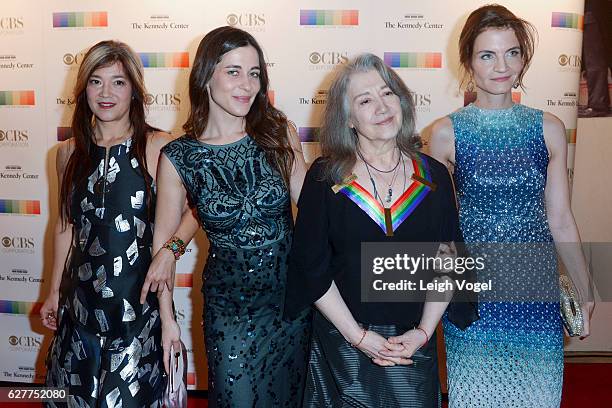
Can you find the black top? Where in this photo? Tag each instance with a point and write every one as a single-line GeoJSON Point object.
{"type": "Point", "coordinates": [330, 228]}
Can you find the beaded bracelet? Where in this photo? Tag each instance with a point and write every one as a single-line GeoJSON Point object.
{"type": "Point", "coordinates": [176, 246]}
{"type": "Point", "coordinates": [426, 336]}
{"type": "Point", "coordinates": [360, 340]}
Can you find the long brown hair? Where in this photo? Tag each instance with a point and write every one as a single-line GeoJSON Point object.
{"type": "Point", "coordinates": [497, 17]}
{"type": "Point", "coordinates": [338, 142]}
{"type": "Point", "coordinates": [264, 123]}
{"type": "Point", "coordinates": [80, 164]}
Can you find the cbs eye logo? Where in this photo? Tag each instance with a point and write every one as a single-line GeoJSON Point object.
{"type": "Point", "coordinates": [6, 242]}
{"type": "Point", "coordinates": [314, 58]}
{"type": "Point", "coordinates": [73, 59]}
{"type": "Point", "coordinates": [68, 59]}
{"type": "Point", "coordinates": [328, 57]}
{"type": "Point", "coordinates": [246, 20]}
{"type": "Point", "coordinates": [232, 19]}
{"type": "Point", "coordinates": [13, 340]}
{"type": "Point", "coordinates": [569, 60]}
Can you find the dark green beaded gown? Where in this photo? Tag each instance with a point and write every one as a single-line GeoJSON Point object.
{"type": "Point", "coordinates": [255, 358]}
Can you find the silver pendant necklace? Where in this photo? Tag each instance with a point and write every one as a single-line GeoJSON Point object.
{"type": "Point", "coordinates": [389, 196]}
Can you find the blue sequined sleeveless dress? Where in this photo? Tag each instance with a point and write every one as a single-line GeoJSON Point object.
{"type": "Point", "coordinates": [255, 358]}
{"type": "Point", "coordinates": [512, 356]}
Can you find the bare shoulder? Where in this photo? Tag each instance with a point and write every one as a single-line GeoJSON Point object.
{"type": "Point", "coordinates": [158, 139]}
{"type": "Point", "coordinates": [442, 130]}
{"type": "Point", "coordinates": [554, 130]}
{"type": "Point", "coordinates": [64, 151]}
{"type": "Point", "coordinates": [292, 134]}
{"type": "Point", "coordinates": [442, 142]}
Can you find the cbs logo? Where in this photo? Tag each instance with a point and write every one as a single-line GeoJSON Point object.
{"type": "Point", "coordinates": [11, 23]}
{"type": "Point", "coordinates": [73, 59]}
{"type": "Point", "coordinates": [245, 20]}
{"type": "Point", "coordinates": [13, 135]}
{"type": "Point", "coordinates": [328, 57]}
{"type": "Point", "coordinates": [570, 60]}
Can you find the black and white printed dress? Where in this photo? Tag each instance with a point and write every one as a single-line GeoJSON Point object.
{"type": "Point", "coordinates": [107, 349]}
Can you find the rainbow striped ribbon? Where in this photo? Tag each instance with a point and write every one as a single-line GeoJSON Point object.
{"type": "Point", "coordinates": [402, 207]}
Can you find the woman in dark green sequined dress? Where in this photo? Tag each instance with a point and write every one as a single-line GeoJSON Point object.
{"type": "Point", "coordinates": [239, 164]}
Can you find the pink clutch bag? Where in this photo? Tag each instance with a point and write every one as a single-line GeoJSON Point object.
{"type": "Point", "coordinates": [175, 395]}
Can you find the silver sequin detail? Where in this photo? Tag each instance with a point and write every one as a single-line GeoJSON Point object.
{"type": "Point", "coordinates": [132, 252]}
{"type": "Point", "coordinates": [134, 163]}
{"type": "Point", "coordinates": [145, 307]}
{"type": "Point", "coordinates": [100, 281]}
{"type": "Point", "coordinates": [146, 330]}
{"type": "Point", "coordinates": [91, 180]}
{"type": "Point", "coordinates": [78, 350]}
{"type": "Point", "coordinates": [96, 387]}
{"type": "Point", "coordinates": [128, 312]}
{"type": "Point", "coordinates": [68, 361]}
{"type": "Point", "coordinates": [140, 227]}
{"type": "Point", "coordinates": [134, 387]}
{"type": "Point", "coordinates": [86, 205]}
{"type": "Point", "coordinates": [101, 317]}
{"type": "Point", "coordinates": [100, 212]}
{"type": "Point", "coordinates": [117, 265]}
{"type": "Point", "coordinates": [85, 271]}
{"type": "Point", "coordinates": [113, 169]}
{"type": "Point", "coordinates": [113, 399]}
{"type": "Point", "coordinates": [121, 224]}
{"type": "Point", "coordinates": [148, 347]}
{"type": "Point", "coordinates": [107, 292]}
{"type": "Point", "coordinates": [75, 379]}
{"type": "Point", "coordinates": [79, 310]}
{"type": "Point", "coordinates": [84, 233]}
{"type": "Point", "coordinates": [102, 376]}
{"type": "Point", "coordinates": [115, 345]}
{"type": "Point", "coordinates": [154, 374]}
{"type": "Point", "coordinates": [137, 200]}
{"type": "Point", "coordinates": [96, 249]}
{"type": "Point", "coordinates": [143, 370]}
{"type": "Point", "coordinates": [133, 352]}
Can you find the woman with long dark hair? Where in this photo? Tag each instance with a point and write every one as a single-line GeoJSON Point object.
{"type": "Point", "coordinates": [239, 164]}
{"type": "Point", "coordinates": [107, 346]}
{"type": "Point", "coordinates": [509, 164]}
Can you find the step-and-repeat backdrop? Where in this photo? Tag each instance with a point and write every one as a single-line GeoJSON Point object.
{"type": "Point", "coordinates": [43, 43]}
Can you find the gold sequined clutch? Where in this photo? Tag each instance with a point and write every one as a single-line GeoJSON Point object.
{"type": "Point", "coordinates": [571, 314]}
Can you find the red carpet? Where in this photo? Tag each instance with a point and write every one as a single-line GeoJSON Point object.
{"type": "Point", "coordinates": [585, 386]}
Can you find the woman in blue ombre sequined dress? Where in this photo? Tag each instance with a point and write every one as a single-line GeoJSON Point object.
{"type": "Point", "coordinates": [509, 163]}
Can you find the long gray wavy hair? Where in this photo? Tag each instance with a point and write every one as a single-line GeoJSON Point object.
{"type": "Point", "coordinates": [339, 143]}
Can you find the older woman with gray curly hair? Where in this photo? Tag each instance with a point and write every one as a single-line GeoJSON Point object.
{"type": "Point", "coordinates": [370, 185]}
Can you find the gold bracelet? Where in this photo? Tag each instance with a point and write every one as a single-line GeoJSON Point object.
{"type": "Point", "coordinates": [360, 340]}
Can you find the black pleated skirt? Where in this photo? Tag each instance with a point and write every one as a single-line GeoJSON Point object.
{"type": "Point", "coordinates": [340, 376]}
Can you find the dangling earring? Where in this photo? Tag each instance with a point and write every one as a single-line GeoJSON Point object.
{"type": "Point", "coordinates": [470, 85]}
{"type": "Point", "coordinates": [516, 84]}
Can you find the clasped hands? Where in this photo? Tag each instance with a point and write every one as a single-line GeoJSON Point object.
{"type": "Point", "coordinates": [396, 350]}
